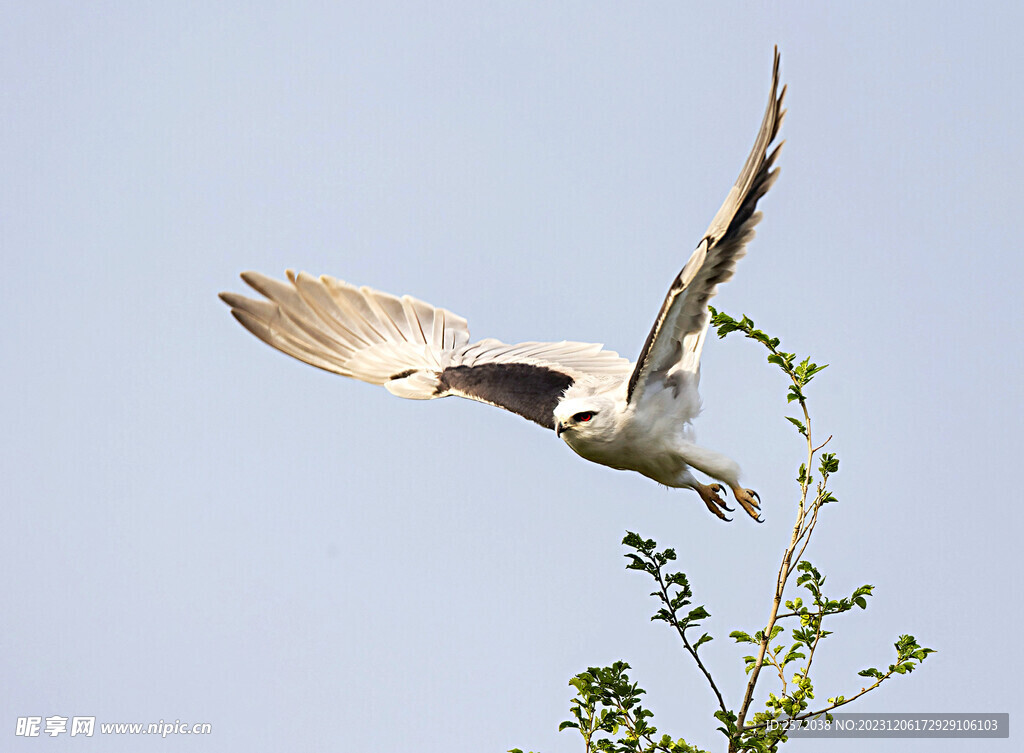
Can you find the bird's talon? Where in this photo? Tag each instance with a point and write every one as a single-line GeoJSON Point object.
{"type": "Point", "coordinates": [709, 493]}
{"type": "Point", "coordinates": [750, 501]}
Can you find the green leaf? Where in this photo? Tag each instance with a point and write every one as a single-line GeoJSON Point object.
{"type": "Point", "coordinates": [792, 656]}
{"type": "Point", "coordinates": [781, 359]}
{"type": "Point", "coordinates": [798, 424]}
{"type": "Point", "coordinates": [698, 613]}
{"type": "Point", "coordinates": [635, 563]}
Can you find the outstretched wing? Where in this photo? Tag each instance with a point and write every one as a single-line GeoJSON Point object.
{"type": "Point", "coordinates": [675, 342]}
{"type": "Point", "coordinates": [415, 350]}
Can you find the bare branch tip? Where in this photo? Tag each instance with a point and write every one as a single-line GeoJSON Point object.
{"type": "Point", "coordinates": [823, 444]}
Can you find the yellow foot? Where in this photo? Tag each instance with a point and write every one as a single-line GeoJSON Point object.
{"type": "Point", "coordinates": [750, 502]}
{"type": "Point", "coordinates": [709, 493]}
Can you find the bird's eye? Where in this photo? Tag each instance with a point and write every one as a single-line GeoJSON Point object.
{"type": "Point", "coordinates": [583, 417]}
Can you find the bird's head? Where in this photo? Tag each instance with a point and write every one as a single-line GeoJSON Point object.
{"type": "Point", "coordinates": [585, 420]}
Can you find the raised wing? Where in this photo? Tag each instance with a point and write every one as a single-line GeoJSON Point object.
{"type": "Point", "coordinates": [415, 350]}
{"type": "Point", "coordinates": [677, 337]}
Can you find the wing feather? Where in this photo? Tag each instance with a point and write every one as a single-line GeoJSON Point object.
{"type": "Point", "coordinates": [677, 337]}
{"type": "Point", "coordinates": [415, 350]}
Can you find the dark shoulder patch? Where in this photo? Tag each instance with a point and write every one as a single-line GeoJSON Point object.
{"type": "Point", "coordinates": [402, 374]}
{"type": "Point", "coordinates": [531, 391]}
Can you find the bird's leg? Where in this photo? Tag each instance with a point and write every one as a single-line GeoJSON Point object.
{"type": "Point", "coordinates": [749, 500]}
{"type": "Point", "coordinates": [724, 469]}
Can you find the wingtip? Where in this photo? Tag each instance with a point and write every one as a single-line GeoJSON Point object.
{"type": "Point", "coordinates": [251, 278]}
{"type": "Point", "coordinates": [234, 300]}
{"type": "Point", "coordinates": [255, 326]}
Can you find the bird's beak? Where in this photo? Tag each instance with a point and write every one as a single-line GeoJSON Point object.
{"type": "Point", "coordinates": [559, 428]}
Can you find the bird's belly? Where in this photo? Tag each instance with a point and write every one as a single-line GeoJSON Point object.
{"type": "Point", "coordinates": [661, 463]}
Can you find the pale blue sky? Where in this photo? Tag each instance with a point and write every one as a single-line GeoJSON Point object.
{"type": "Point", "coordinates": [195, 527]}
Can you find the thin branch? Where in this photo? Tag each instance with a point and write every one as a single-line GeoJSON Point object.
{"type": "Point", "coordinates": [803, 528]}
{"type": "Point", "coordinates": [817, 637]}
{"type": "Point", "coordinates": [789, 614]}
{"type": "Point", "coordinates": [786, 567]}
{"type": "Point", "coordinates": [773, 659]}
{"type": "Point", "coordinates": [686, 641]}
{"type": "Point", "coordinates": [630, 722]}
{"type": "Point", "coordinates": [828, 709]}
{"type": "Point", "coordinates": [806, 535]}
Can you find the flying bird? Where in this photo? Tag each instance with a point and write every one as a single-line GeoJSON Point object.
{"type": "Point", "coordinates": [629, 416]}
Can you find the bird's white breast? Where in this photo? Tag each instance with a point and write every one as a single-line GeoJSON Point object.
{"type": "Point", "coordinates": [645, 436]}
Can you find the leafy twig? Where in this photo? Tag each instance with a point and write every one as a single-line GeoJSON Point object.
{"type": "Point", "coordinates": [800, 374]}
{"type": "Point", "coordinates": [651, 561]}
